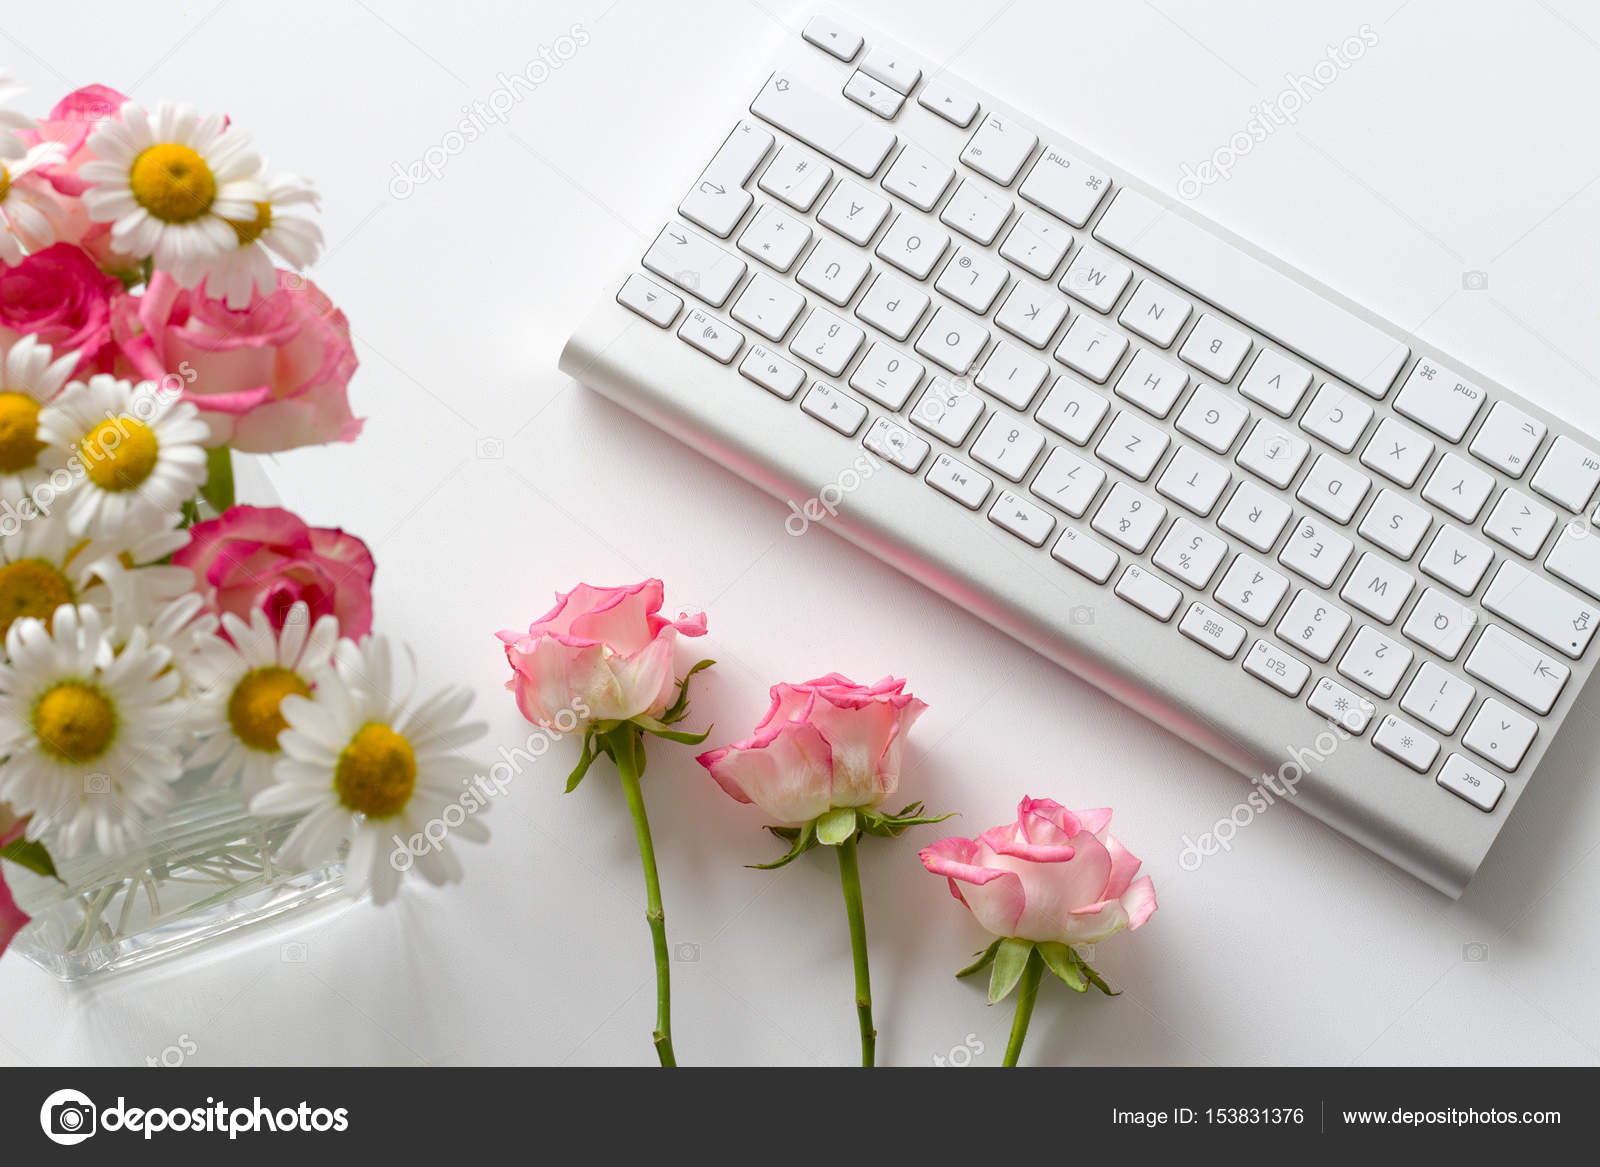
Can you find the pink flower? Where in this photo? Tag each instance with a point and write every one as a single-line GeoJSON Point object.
{"type": "Point", "coordinates": [268, 558]}
{"type": "Point", "coordinates": [267, 378]}
{"type": "Point", "coordinates": [60, 296]}
{"type": "Point", "coordinates": [604, 654]}
{"type": "Point", "coordinates": [1053, 875]}
{"type": "Point", "coordinates": [825, 743]}
{"type": "Point", "coordinates": [12, 918]}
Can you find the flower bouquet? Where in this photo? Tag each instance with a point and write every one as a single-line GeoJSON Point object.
{"type": "Point", "coordinates": [194, 716]}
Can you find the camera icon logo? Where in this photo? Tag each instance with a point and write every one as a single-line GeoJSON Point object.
{"type": "Point", "coordinates": [293, 952]}
{"type": "Point", "coordinates": [97, 783]}
{"type": "Point", "coordinates": [686, 953]}
{"type": "Point", "coordinates": [1081, 614]}
{"type": "Point", "coordinates": [1475, 952]}
{"type": "Point", "coordinates": [490, 449]}
{"type": "Point", "coordinates": [1474, 281]}
{"type": "Point", "coordinates": [68, 1117]}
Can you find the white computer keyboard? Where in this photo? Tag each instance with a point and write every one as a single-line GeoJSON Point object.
{"type": "Point", "coordinates": [1237, 501]}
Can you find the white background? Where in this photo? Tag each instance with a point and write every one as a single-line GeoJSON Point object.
{"type": "Point", "coordinates": [1462, 142]}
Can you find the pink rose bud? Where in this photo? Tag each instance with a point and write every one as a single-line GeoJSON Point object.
{"type": "Point", "coordinates": [601, 654]}
{"type": "Point", "coordinates": [825, 743]}
{"type": "Point", "coordinates": [1053, 875]}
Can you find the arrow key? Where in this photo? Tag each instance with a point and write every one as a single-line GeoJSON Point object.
{"type": "Point", "coordinates": [952, 105]}
{"type": "Point", "coordinates": [833, 38]}
{"type": "Point", "coordinates": [1500, 734]}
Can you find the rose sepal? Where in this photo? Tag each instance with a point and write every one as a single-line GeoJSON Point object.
{"type": "Point", "coordinates": [597, 735]}
{"type": "Point", "coordinates": [1008, 956]}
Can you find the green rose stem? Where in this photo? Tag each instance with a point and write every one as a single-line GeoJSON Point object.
{"type": "Point", "coordinates": [1027, 993]}
{"type": "Point", "coordinates": [850, 878]}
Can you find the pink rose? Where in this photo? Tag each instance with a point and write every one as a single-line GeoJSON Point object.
{"type": "Point", "coordinates": [604, 654]}
{"type": "Point", "coordinates": [267, 378]}
{"type": "Point", "coordinates": [268, 558]}
{"type": "Point", "coordinates": [826, 743]}
{"type": "Point", "coordinates": [1053, 875]}
{"type": "Point", "coordinates": [12, 918]}
{"type": "Point", "coordinates": [68, 125]}
{"type": "Point", "coordinates": [60, 296]}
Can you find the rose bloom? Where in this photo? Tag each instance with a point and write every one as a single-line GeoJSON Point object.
{"type": "Point", "coordinates": [12, 918]}
{"type": "Point", "coordinates": [268, 558]}
{"type": "Point", "coordinates": [270, 377]}
{"type": "Point", "coordinates": [1053, 875]}
{"type": "Point", "coordinates": [69, 125]}
{"type": "Point", "coordinates": [61, 297]}
{"type": "Point", "coordinates": [825, 743]}
{"type": "Point", "coordinates": [603, 654]}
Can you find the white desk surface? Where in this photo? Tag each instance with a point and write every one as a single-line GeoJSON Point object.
{"type": "Point", "coordinates": [1461, 142]}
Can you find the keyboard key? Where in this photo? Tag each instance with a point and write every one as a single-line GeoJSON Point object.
{"type": "Point", "coordinates": [1190, 553]}
{"type": "Point", "coordinates": [1520, 523]}
{"type": "Point", "coordinates": [1216, 348]}
{"type": "Point", "coordinates": [1255, 516]}
{"type": "Point", "coordinates": [1132, 445]}
{"type": "Point", "coordinates": [1338, 417]}
{"type": "Point", "coordinates": [1129, 517]}
{"type": "Point", "coordinates": [1031, 316]}
{"type": "Point", "coordinates": [833, 270]}
{"type": "Point", "coordinates": [1517, 669]}
{"type": "Point", "coordinates": [774, 238]}
{"type": "Point", "coordinates": [1500, 734]}
{"type": "Point", "coordinates": [1097, 278]}
{"type": "Point", "coordinates": [1193, 481]}
{"type": "Point", "coordinates": [1067, 481]}
{"type": "Point", "coordinates": [1148, 593]}
{"type": "Point", "coordinates": [1334, 488]}
{"type": "Point", "coordinates": [1439, 399]}
{"type": "Point", "coordinates": [1072, 410]}
{"type": "Point", "coordinates": [832, 37]}
{"type": "Point", "coordinates": [1271, 664]}
{"type": "Point", "coordinates": [854, 212]}
{"type": "Point", "coordinates": [1439, 623]}
{"type": "Point", "coordinates": [694, 264]}
{"type": "Point", "coordinates": [1091, 348]}
{"type": "Point", "coordinates": [1396, 524]}
{"type": "Point", "coordinates": [999, 148]}
{"type": "Point", "coordinates": [1508, 439]}
{"type": "Point", "coordinates": [1471, 782]}
{"type": "Point", "coordinates": [899, 446]}
{"type": "Point", "coordinates": [947, 410]}
{"type": "Point", "coordinates": [1375, 662]}
{"type": "Point", "coordinates": [768, 306]}
{"type": "Point", "coordinates": [1397, 452]}
{"type": "Point", "coordinates": [1251, 590]}
{"type": "Point", "coordinates": [1085, 555]}
{"type": "Point", "coordinates": [896, 70]}
{"type": "Point", "coordinates": [958, 480]}
{"type": "Point", "coordinates": [1378, 587]}
{"type": "Point", "coordinates": [1313, 625]}
{"type": "Point", "coordinates": [1007, 448]}
{"type": "Point", "coordinates": [1274, 381]}
{"type": "Point", "coordinates": [1346, 708]}
{"type": "Point", "coordinates": [952, 105]}
{"type": "Point", "coordinates": [711, 336]}
{"type": "Point", "coordinates": [1027, 522]}
{"type": "Point", "coordinates": [1151, 383]}
{"type": "Point", "coordinates": [1251, 291]}
{"type": "Point", "coordinates": [1065, 185]}
{"type": "Point", "coordinates": [796, 177]}
{"type": "Point", "coordinates": [1036, 245]}
{"type": "Point", "coordinates": [1458, 488]}
{"type": "Point", "coordinates": [774, 374]}
{"type": "Point", "coordinates": [827, 342]}
{"type": "Point", "coordinates": [919, 178]}
{"type": "Point", "coordinates": [976, 213]}
{"type": "Point", "coordinates": [824, 123]}
{"type": "Point", "coordinates": [872, 95]}
{"type": "Point", "coordinates": [1568, 474]}
{"type": "Point", "coordinates": [1542, 609]}
{"type": "Point", "coordinates": [1213, 419]}
{"type": "Point", "coordinates": [834, 408]}
{"type": "Point", "coordinates": [1406, 743]}
{"type": "Point", "coordinates": [1457, 560]}
{"type": "Point", "coordinates": [892, 305]}
{"type": "Point", "coordinates": [1209, 627]}
{"type": "Point", "coordinates": [719, 200]}
{"type": "Point", "coordinates": [1155, 313]}
{"type": "Point", "coordinates": [1316, 551]}
{"type": "Point", "coordinates": [887, 377]}
{"type": "Point", "coordinates": [973, 280]}
{"type": "Point", "coordinates": [913, 246]}
{"type": "Point", "coordinates": [1438, 698]}
{"type": "Point", "coordinates": [650, 300]}
{"type": "Point", "coordinates": [1273, 453]}
{"type": "Point", "coordinates": [1576, 557]}
{"type": "Point", "coordinates": [952, 341]}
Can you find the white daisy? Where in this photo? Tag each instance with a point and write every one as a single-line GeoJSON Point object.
{"type": "Point", "coordinates": [242, 681]}
{"type": "Point", "coordinates": [28, 208]}
{"type": "Point", "coordinates": [363, 766]}
{"type": "Point", "coordinates": [169, 182]}
{"type": "Point", "coordinates": [30, 375]}
{"type": "Point", "coordinates": [246, 268]}
{"type": "Point", "coordinates": [86, 734]}
{"type": "Point", "coordinates": [139, 451]}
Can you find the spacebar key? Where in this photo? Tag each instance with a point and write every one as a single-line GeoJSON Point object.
{"type": "Point", "coordinates": [1215, 270]}
{"type": "Point", "coordinates": [823, 123]}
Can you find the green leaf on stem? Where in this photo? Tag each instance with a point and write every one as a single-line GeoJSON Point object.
{"type": "Point", "coordinates": [892, 826]}
{"type": "Point", "coordinates": [1062, 961]}
{"type": "Point", "coordinates": [985, 959]}
{"type": "Point", "coordinates": [1010, 958]}
{"type": "Point", "coordinates": [584, 762]}
{"type": "Point", "coordinates": [1095, 978]}
{"type": "Point", "coordinates": [30, 854]}
{"type": "Point", "coordinates": [660, 729]}
{"type": "Point", "coordinates": [802, 840]}
{"type": "Point", "coordinates": [218, 488]}
{"type": "Point", "coordinates": [836, 826]}
{"type": "Point", "coordinates": [680, 707]}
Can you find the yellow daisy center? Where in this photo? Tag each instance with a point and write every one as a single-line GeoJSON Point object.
{"type": "Point", "coordinates": [31, 587]}
{"type": "Point", "coordinates": [376, 772]}
{"type": "Point", "coordinates": [19, 423]}
{"type": "Point", "coordinates": [119, 453]}
{"type": "Point", "coordinates": [172, 182]}
{"type": "Point", "coordinates": [5, 182]}
{"type": "Point", "coordinates": [253, 710]}
{"type": "Point", "coordinates": [75, 722]}
{"type": "Point", "coordinates": [249, 232]}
